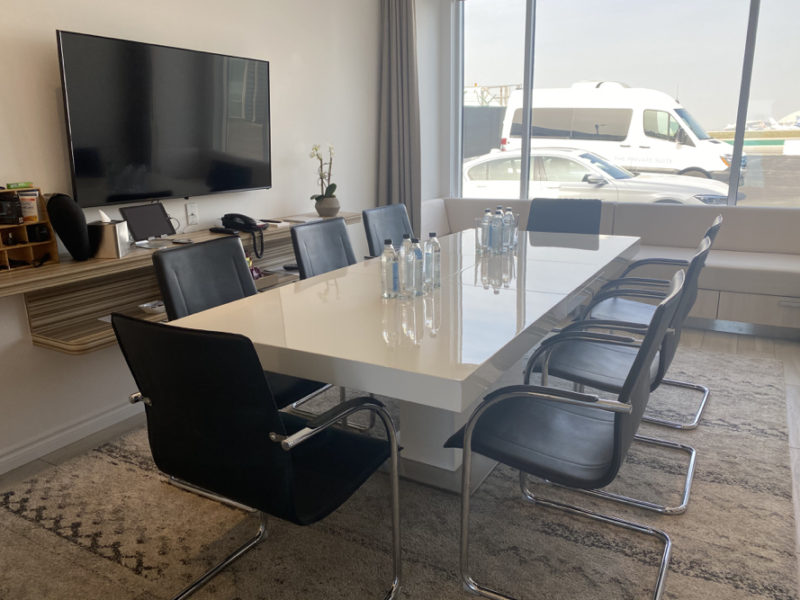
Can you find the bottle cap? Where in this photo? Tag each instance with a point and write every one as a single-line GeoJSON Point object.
{"type": "Point", "coordinates": [405, 236]}
{"type": "Point", "coordinates": [414, 241]}
{"type": "Point", "coordinates": [387, 242]}
{"type": "Point", "coordinates": [432, 234]}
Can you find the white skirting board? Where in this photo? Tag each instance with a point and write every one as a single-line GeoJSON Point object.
{"type": "Point", "coordinates": [28, 451]}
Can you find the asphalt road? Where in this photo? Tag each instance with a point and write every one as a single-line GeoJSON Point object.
{"type": "Point", "coordinates": [772, 181]}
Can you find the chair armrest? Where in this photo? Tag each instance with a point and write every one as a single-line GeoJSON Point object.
{"type": "Point", "coordinates": [585, 324]}
{"type": "Point", "coordinates": [651, 294]}
{"type": "Point", "coordinates": [537, 392]}
{"type": "Point", "coordinates": [635, 281]}
{"type": "Point", "coordinates": [572, 336]}
{"type": "Point", "coordinates": [332, 416]}
{"type": "Point", "coordinates": [674, 262]}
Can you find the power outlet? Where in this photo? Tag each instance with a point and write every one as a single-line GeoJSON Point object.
{"type": "Point", "coordinates": [192, 214]}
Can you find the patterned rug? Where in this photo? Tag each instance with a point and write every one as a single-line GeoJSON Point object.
{"type": "Point", "coordinates": [105, 525]}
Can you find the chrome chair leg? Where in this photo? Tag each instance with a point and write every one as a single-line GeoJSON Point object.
{"type": "Point", "coordinates": [659, 508]}
{"type": "Point", "coordinates": [208, 575]}
{"type": "Point", "coordinates": [695, 419]}
{"type": "Point", "coordinates": [631, 525]}
{"type": "Point", "coordinates": [189, 487]}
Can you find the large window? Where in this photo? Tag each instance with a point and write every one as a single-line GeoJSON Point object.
{"type": "Point", "coordinates": [641, 84]}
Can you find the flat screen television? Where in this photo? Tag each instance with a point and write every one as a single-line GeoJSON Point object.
{"type": "Point", "coordinates": [147, 122]}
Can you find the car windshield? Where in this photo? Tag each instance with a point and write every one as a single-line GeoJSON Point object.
{"type": "Point", "coordinates": [613, 170]}
{"type": "Point", "coordinates": [693, 125]}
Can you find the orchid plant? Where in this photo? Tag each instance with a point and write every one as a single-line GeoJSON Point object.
{"type": "Point", "coordinates": [326, 188]}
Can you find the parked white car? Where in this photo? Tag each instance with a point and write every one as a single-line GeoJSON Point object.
{"type": "Point", "coordinates": [575, 173]}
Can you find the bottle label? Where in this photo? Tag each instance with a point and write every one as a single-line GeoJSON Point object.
{"type": "Point", "coordinates": [395, 277]}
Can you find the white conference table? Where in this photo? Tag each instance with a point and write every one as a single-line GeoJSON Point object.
{"type": "Point", "coordinates": [439, 354]}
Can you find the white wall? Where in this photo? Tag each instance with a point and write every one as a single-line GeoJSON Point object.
{"type": "Point", "coordinates": [324, 74]}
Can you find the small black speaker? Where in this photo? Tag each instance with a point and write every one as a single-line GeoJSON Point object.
{"type": "Point", "coordinates": [69, 223]}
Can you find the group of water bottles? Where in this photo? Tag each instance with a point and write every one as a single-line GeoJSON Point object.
{"type": "Point", "coordinates": [497, 233]}
{"type": "Point", "coordinates": [413, 270]}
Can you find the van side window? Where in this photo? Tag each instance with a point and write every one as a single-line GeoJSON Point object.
{"type": "Point", "coordinates": [610, 124]}
{"type": "Point", "coordinates": [660, 124]}
{"type": "Point", "coordinates": [555, 168]}
{"type": "Point", "coordinates": [576, 123]}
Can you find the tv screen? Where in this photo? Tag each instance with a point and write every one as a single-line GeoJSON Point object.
{"type": "Point", "coordinates": [152, 122]}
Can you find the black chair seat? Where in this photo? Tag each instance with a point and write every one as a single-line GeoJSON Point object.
{"type": "Point", "coordinates": [329, 468]}
{"type": "Point", "coordinates": [598, 365]}
{"type": "Point", "coordinates": [622, 309]}
{"type": "Point", "coordinates": [569, 445]}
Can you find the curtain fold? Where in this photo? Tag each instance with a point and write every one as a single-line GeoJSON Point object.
{"type": "Point", "coordinates": [399, 162]}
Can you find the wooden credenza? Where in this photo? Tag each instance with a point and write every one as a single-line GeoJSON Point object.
{"type": "Point", "coordinates": [68, 302]}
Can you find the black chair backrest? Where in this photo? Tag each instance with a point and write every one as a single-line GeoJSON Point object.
{"type": "Point", "coordinates": [636, 390]}
{"type": "Point", "coordinates": [386, 222]}
{"type": "Point", "coordinates": [711, 232]}
{"type": "Point", "coordinates": [199, 276]}
{"type": "Point", "coordinates": [565, 215]}
{"type": "Point", "coordinates": [210, 411]}
{"type": "Point", "coordinates": [322, 246]}
{"type": "Point", "coordinates": [685, 304]}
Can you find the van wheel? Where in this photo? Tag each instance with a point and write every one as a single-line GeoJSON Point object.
{"type": "Point", "coordinates": [695, 173]}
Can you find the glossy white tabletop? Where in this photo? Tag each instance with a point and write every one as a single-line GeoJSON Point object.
{"type": "Point", "coordinates": [443, 349]}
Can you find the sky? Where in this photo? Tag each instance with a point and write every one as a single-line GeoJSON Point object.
{"type": "Point", "coordinates": [690, 49]}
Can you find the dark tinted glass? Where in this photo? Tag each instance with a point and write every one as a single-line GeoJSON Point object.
{"type": "Point", "coordinates": [149, 121]}
{"type": "Point", "coordinates": [576, 123]}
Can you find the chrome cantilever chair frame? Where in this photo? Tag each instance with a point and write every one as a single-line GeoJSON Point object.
{"type": "Point", "coordinates": [570, 334]}
{"type": "Point", "coordinates": [330, 418]}
{"type": "Point", "coordinates": [553, 395]}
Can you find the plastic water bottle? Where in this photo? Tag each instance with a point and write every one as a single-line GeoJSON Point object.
{"type": "Point", "coordinates": [389, 271]}
{"type": "Point", "coordinates": [433, 262]}
{"type": "Point", "coordinates": [404, 273]}
{"type": "Point", "coordinates": [485, 228]}
{"type": "Point", "coordinates": [508, 229]}
{"type": "Point", "coordinates": [496, 232]}
{"type": "Point", "coordinates": [417, 264]}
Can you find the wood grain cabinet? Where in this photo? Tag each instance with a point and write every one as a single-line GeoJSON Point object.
{"type": "Point", "coordinates": [29, 244]}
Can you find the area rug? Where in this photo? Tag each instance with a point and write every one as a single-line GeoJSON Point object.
{"type": "Point", "coordinates": [106, 525]}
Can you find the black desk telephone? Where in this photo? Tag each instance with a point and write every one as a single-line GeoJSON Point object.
{"type": "Point", "coordinates": [239, 222]}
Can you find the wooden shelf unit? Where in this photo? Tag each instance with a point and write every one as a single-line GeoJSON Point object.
{"type": "Point", "coordinates": [68, 303]}
{"type": "Point", "coordinates": [16, 250]}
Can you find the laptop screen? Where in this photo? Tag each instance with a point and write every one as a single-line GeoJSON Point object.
{"type": "Point", "coordinates": [147, 220]}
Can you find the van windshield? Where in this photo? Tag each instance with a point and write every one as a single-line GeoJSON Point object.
{"type": "Point", "coordinates": [611, 169]}
{"type": "Point", "coordinates": [693, 124]}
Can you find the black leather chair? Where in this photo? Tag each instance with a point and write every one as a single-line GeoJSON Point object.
{"type": "Point", "coordinates": [386, 222]}
{"type": "Point", "coordinates": [322, 246]}
{"type": "Point", "coordinates": [212, 421]}
{"type": "Point", "coordinates": [199, 276]}
{"type": "Point", "coordinates": [565, 215]}
{"type": "Point", "coordinates": [617, 301]}
{"type": "Point", "coordinates": [605, 366]}
{"type": "Point", "coordinates": [567, 438]}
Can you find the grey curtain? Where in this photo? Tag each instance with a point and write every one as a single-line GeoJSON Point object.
{"type": "Point", "coordinates": [399, 130]}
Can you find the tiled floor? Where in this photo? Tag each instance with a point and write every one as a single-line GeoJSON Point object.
{"type": "Point", "coordinates": [787, 351]}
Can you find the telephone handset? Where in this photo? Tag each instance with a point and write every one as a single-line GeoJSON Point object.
{"type": "Point", "coordinates": [244, 223]}
{"type": "Point", "coordinates": [240, 222]}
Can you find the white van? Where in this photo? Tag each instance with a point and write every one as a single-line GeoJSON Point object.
{"type": "Point", "coordinates": [637, 128]}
